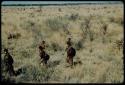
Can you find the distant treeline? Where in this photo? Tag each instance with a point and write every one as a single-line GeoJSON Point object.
{"type": "Point", "coordinates": [55, 4]}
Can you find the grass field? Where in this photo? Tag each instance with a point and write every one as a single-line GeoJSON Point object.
{"type": "Point", "coordinates": [94, 30]}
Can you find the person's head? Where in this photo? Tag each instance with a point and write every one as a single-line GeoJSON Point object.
{"type": "Point", "coordinates": [40, 47]}
{"type": "Point", "coordinates": [5, 50]}
{"type": "Point", "coordinates": [43, 42]}
{"type": "Point", "coordinates": [69, 38]}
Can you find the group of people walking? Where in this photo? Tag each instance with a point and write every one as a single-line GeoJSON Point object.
{"type": "Point", "coordinates": [70, 52]}
{"type": "Point", "coordinates": [8, 60]}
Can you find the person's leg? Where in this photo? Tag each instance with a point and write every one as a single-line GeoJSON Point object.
{"type": "Point", "coordinates": [11, 70]}
{"type": "Point", "coordinates": [46, 63]}
{"type": "Point", "coordinates": [67, 59]}
{"type": "Point", "coordinates": [6, 67]}
{"type": "Point", "coordinates": [43, 62]}
{"type": "Point", "coordinates": [71, 61]}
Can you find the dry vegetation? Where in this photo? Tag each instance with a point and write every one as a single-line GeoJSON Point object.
{"type": "Point", "coordinates": [96, 32]}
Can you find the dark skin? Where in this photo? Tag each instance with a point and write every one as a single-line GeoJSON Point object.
{"type": "Point", "coordinates": [69, 57]}
{"type": "Point", "coordinates": [9, 62]}
{"type": "Point", "coordinates": [68, 43]}
{"type": "Point", "coordinates": [43, 56]}
{"type": "Point", "coordinates": [43, 45]}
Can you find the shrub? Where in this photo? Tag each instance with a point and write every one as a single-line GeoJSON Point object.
{"type": "Point", "coordinates": [91, 35]}
{"type": "Point", "coordinates": [119, 44]}
{"type": "Point", "coordinates": [56, 23]}
{"type": "Point", "coordinates": [74, 17]}
{"type": "Point", "coordinates": [14, 35]}
{"type": "Point", "coordinates": [112, 19]}
{"type": "Point", "coordinates": [31, 15]}
{"type": "Point", "coordinates": [56, 47]}
{"type": "Point", "coordinates": [27, 24]}
{"type": "Point", "coordinates": [85, 26]}
{"type": "Point", "coordinates": [104, 29]}
{"type": "Point", "coordinates": [25, 54]}
{"type": "Point", "coordinates": [37, 74]}
{"type": "Point", "coordinates": [118, 20]}
{"type": "Point", "coordinates": [79, 45]}
{"type": "Point", "coordinates": [59, 9]}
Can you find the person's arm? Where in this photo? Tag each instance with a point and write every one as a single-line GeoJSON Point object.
{"type": "Point", "coordinates": [5, 58]}
{"type": "Point", "coordinates": [66, 48]}
{"type": "Point", "coordinates": [11, 59]}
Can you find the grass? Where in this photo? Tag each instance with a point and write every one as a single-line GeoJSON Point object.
{"type": "Point", "coordinates": [93, 30]}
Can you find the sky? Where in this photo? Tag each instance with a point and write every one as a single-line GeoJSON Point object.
{"type": "Point", "coordinates": [53, 2]}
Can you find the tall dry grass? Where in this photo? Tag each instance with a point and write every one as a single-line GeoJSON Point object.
{"type": "Point", "coordinates": [94, 30]}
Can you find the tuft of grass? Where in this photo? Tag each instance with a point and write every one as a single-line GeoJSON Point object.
{"type": "Point", "coordinates": [74, 17]}
{"type": "Point", "coordinates": [55, 47]}
{"type": "Point", "coordinates": [56, 23]}
{"type": "Point", "coordinates": [79, 45]}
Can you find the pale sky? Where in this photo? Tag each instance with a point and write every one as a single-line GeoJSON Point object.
{"type": "Point", "coordinates": [55, 2]}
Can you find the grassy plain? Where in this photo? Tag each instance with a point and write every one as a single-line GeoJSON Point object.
{"type": "Point", "coordinates": [94, 29]}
